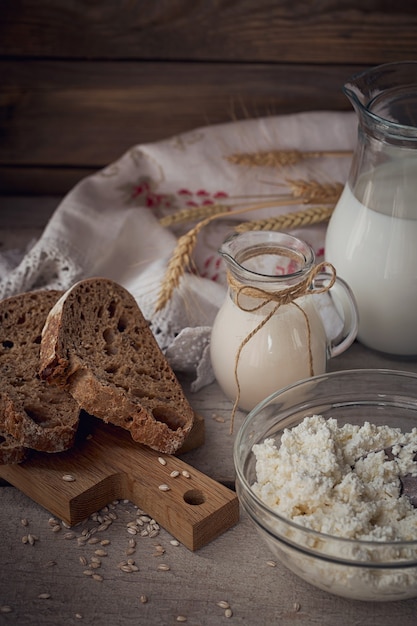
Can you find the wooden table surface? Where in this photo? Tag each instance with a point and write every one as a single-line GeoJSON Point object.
{"type": "Point", "coordinates": [42, 580]}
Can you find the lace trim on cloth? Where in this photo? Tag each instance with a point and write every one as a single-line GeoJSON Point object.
{"type": "Point", "coordinates": [48, 265]}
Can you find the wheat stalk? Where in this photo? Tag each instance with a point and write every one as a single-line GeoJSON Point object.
{"type": "Point", "coordinates": [281, 158]}
{"type": "Point", "coordinates": [307, 191]}
{"type": "Point", "coordinates": [307, 217]}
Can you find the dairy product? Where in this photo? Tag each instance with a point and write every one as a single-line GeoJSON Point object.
{"type": "Point", "coordinates": [373, 248]}
{"type": "Point", "coordinates": [343, 482]}
{"type": "Point", "coordinates": [275, 356]}
{"type": "Point", "coordinates": [339, 480]}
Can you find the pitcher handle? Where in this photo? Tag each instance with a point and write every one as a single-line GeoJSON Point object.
{"type": "Point", "coordinates": [341, 300]}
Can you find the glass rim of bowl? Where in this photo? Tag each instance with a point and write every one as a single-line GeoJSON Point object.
{"type": "Point", "coordinates": [320, 536]}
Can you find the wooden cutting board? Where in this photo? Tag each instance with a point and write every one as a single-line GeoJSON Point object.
{"type": "Point", "coordinates": [107, 465]}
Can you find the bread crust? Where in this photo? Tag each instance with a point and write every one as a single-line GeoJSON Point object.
{"type": "Point", "coordinates": [11, 451]}
{"type": "Point", "coordinates": [97, 345]}
{"type": "Point", "coordinates": [36, 415]}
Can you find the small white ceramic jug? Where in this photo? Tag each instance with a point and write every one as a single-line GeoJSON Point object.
{"type": "Point", "coordinates": [269, 332]}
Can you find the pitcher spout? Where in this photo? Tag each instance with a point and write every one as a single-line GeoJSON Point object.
{"type": "Point", "coordinates": [385, 99]}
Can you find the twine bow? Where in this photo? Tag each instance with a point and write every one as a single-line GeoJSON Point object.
{"type": "Point", "coordinates": [286, 295]}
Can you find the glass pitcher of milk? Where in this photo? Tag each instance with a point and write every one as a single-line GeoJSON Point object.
{"type": "Point", "coordinates": [372, 235]}
{"type": "Point", "coordinates": [282, 318]}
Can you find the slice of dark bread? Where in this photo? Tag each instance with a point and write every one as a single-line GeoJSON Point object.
{"type": "Point", "coordinates": [97, 344]}
{"type": "Point", "coordinates": [36, 415]}
{"type": "Point", "coordinates": [11, 451]}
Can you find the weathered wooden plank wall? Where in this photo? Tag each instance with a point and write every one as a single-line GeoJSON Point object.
{"type": "Point", "coordinates": [82, 81]}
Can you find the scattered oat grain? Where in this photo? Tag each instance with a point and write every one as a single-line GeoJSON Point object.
{"type": "Point", "coordinates": [160, 549]}
{"type": "Point", "coordinates": [44, 596]}
{"type": "Point", "coordinates": [88, 572]}
{"type": "Point", "coordinates": [162, 460]}
{"type": "Point", "coordinates": [68, 478]}
{"type": "Point", "coordinates": [174, 542]}
{"type": "Point", "coordinates": [163, 567]}
{"type": "Point", "coordinates": [93, 540]}
{"type": "Point", "coordinates": [174, 474]}
{"type": "Point", "coordinates": [100, 552]}
{"type": "Point", "coordinates": [297, 606]}
{"type": "Point", "coordinates": [97, 577]}
{"type": "Point", "coordinates": [164, 488]}
{"type": "Point", "coordinates": [78, 616]}
{"type": "Point", "coordinates": [186, 474]}
{"type": "Point", "coordinates": [223, 604]}
{"type": "Point", "coordinates": [271, 563]}
{"type": "Point", "coordinates": [70, 535]}
{"type": "Point", "coordinates": [126, 568]}
{"type": "Point", "coordinates": [143, 598]}
{"type": "Point", "coordinates": [181, 618]}
{"type": "Point", "coordinates": [6, 609]}
{"type": "Point", "coordinates": [228, 613]}
{"type": "Point", "coordinates": [24, 522]}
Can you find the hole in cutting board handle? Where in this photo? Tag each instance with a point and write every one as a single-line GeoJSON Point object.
{"type": "Point", "coordinates": [194, 497]}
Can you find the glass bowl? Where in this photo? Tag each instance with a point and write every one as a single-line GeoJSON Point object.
{"type": "Point", "coordinates": [352, 568]}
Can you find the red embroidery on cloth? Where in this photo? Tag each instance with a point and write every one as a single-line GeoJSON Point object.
{"type": "Point", "coordinates": [211, 267]}
{"type": "Point", "coordinates": [143, 192]}
{"type": "Point", "coordinates": [208, 266]}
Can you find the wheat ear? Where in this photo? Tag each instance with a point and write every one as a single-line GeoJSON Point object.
{"type": "Point", "coordinates": [281, 158]}
{"type": "Point", "coordinates": [307, 217]}
{"type": "Point", "coordinates": [180, 260]}
{"type": "Point", "coordinates": [312, 191]}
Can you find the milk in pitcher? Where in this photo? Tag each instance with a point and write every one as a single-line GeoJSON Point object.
{"type": "Point", "coordinates": [278, 350]}
{"type": "Point", "coordinates": [374, 249]}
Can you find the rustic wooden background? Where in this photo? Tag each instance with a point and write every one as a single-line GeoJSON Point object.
{"type": "Point", "coordinates": [81, 81]}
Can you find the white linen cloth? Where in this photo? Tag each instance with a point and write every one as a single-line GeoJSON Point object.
{"type": "Point", "coordinates": [108, 225]}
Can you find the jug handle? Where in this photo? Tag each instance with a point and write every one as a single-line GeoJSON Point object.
{"type": "Point", "coordinates": [343, 301]}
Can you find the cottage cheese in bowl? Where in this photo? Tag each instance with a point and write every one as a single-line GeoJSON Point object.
{"type": "Point", "coordinates": [326, 469]}
{"type": "Point", "coordinates": [343, 481]}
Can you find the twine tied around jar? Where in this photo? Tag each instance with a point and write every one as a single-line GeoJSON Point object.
{"type": "Point", "coordinates": [285, 295]}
